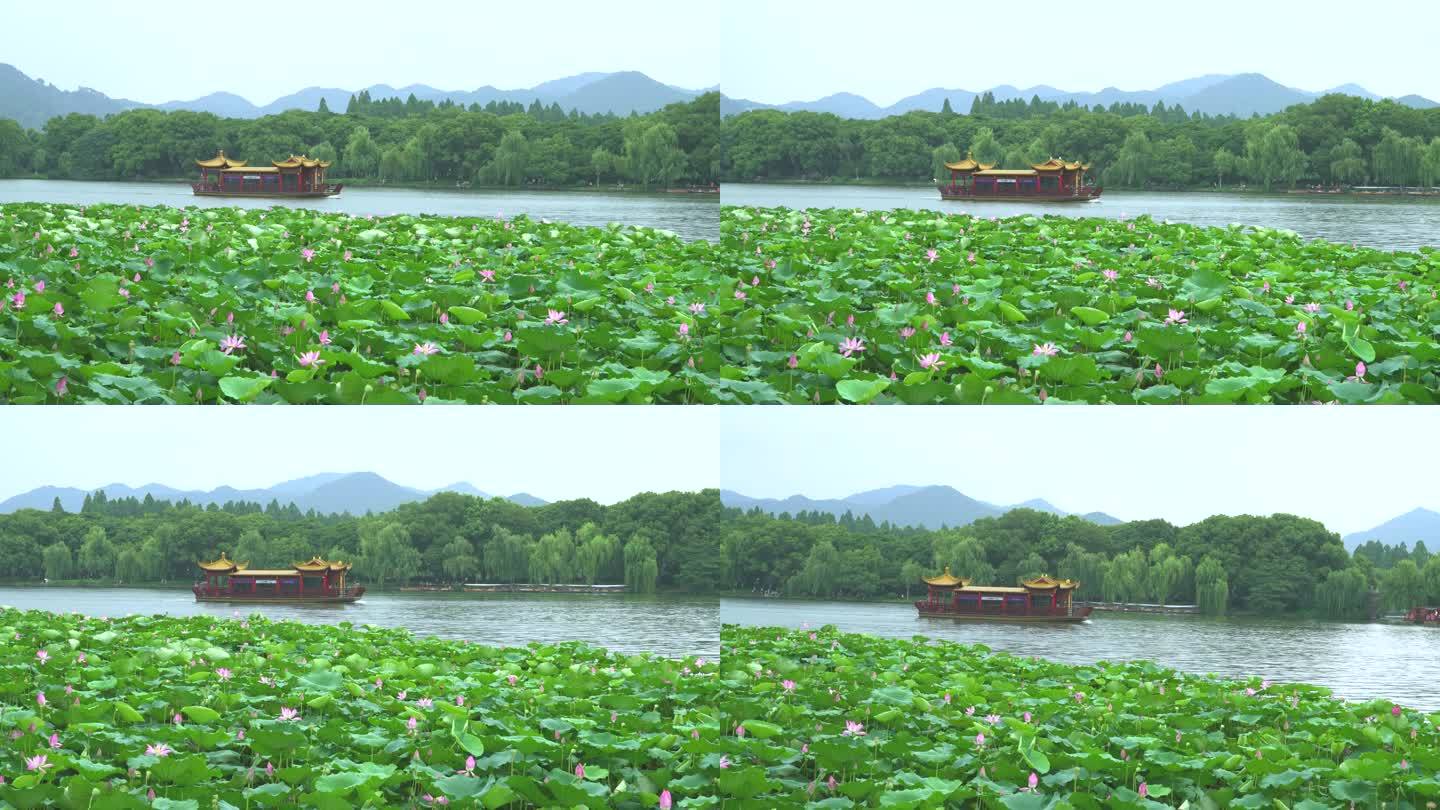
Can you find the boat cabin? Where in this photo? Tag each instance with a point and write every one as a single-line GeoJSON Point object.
{"type": "Point", "coordinates": [1044, 597]}
{"type": "Point", "coordinates": [1054, 179]}
{"type": "Point", "coordinates": [224, 579]}
{"type": "Point", "coordinates": [297, 175]}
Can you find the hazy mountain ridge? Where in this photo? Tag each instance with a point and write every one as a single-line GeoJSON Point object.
{"type": "Point", "coordinates": [930, 507]}
{"type": "Point", "coordinates": [1241, 94]}
{"type": "Point", "coordinates": [1417, 524]}
{"type": "Point", "coordinates": [326, 493]}
{"type": "Point", "coordinates": [32, 102]}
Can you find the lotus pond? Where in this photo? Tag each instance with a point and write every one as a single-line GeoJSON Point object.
{"type": "Point", "coordinates": [125, 304]}
{"type": "Point", "coordinates": [829, 719]}
{"type": "Point", "coordinates": [921, 307]}
{"type": "Point", "coordinates": [191, 712]}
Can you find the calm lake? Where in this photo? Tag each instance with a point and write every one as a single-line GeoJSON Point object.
{"type": "Point", "coordinates": [1359, 661]}
{"type": "Point", "coordinates": [693, 216]}
{"type": "Point", "coordinates": [672, 626]}
{"type": "Point", "coordinates": [1382, 222]}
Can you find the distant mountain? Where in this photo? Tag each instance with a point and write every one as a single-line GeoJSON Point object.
{"type": "Point", "coordinates": [1216, 94]}
{"type": "Point", "coordinates": [327, 493]}
{"type": "Point", "coordinates": [1417, 524]}
{"type": "Point", "coordinates": [32, 102]}
{"type": "Point", "coordinates": [931, 507]}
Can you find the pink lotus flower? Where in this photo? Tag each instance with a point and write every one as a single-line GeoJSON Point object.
{"type": "Point", "coordinates": [310, 359]}
{"type": "Point", "coordinates": [1026, 717]}
{"type": "Point", "coordinates": [124, 292]}
{"type": "Point", "coordinates": [539, 372]}
{"type": "Point", "coordinates": [930, 298]}
{"type": "Point", "coordinates": [1110, 275]}
{"type": "Point", "coordinates": [308, 254]}
{"type": "Point", "coordinates": [788, 685]}
{"type": "Point", "coordinates": [158, 750]}
{"type": "Point", "coordinates": [724, 762]}
{"type": "Point", "coordinates": [580, 770]}
{"type": "Point", "coordinates": [740, 731]}
{"type": "Point", "coordinates": [325, 337]}
{"type": "Point", "coordinates": [40, 286]}
{"type": "Point", "coordinates": [425, 703]}
{"type": "Point", "coordinates": [149, 261]}
{"type": "Point", "coordinates": [851, 345]}
{"type": "Point", "coordinates": [1176, 316]}
{"type": "Point", "coordinates": [42, 655]}
{"type": "Point", "coordinates": [554, 317]}
{"type": "Point", "coordinates": [347, 255]}
{"type": "Point", "coordinates": [309, 296]}
{"type": "Point", "coordinates": [684, 330]}
{"type": "Point", "coordinates": [853, 729]}
{"type": "Point", "coordinates": [287, 713]}
{"type": "Point", "coordinates": [40, 698]}
{"type": "Point", "coordinates": [666, 802]}
{"type": "Point", "coordinates": [1143, 790]}
{"type": "Point", "coordinates": [1128, 337]}
{"type": "Point", "coordinates": [18, 299]}
{"type": "Point", "coordinates": [411, 724]}
{"type": "Point", "coordinates": [39, 762]}
{"type": "Point", "coordinates": [1046, 349]}
{"type": "Point", "coordinates": [931, 360]}
{"type": "Point", "coordinates": [1300, 327]}
{"type": "Point", "coordinates": [1395, 711]}
{"type": "Point", "coordinates": [980, 740]}
{"type": "Point", "coordinates": [223, 673]}
{"type": "Point", "coordinates": [1033, 781]}
{"type": "Point", "coordinates": [427, 348]}
{"type": "Point", "coordinates": [793, 362]}
{"type": "Point", "coordinates": [932, 255]}
{"type": "Point", "coordinates": [59, 309]}
{"type": "Point", "coordinates": [231, 343]}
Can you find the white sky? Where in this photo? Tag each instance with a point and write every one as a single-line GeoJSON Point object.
{"type": "Point", "coordinates": [555, 453]}
{"type": "Point", "coordinates": [1350, 468]}
{"type": "Point", "coordinates": [154, 51]}
{"type": "Point", "coordinates": [800, 50]}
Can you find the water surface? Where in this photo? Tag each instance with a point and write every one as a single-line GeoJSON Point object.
{"type": "Point", "coordinates": [673, 626]}
{"type": "Point", "coordinates": [1389, 223]}
{"type": "Point", "coordinates": [1359, 661]}
{"type": "Point", "coordinates": [693, 216]}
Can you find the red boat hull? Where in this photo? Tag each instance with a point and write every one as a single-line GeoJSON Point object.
{"type": "Point", "coordinates": [1076, 616]}
{"type": "Point", "coordinates": [1084, 195]}
{"type": "Point", "coordinates": [212, 191]}
{"type": "Point", "coordinates": [348, 595]}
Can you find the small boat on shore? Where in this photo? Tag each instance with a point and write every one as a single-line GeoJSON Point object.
{"type": "Point", "coordinates": [295, 176]}
{"type": "Point", "coordinates": [528, 587]}
{"type": "Point", "coordinates": [1040, 600]}
{"type": "Point", "coordinates": [316, 581]}
{"type": "Point", "coordinates": [1051, 181]}
{"type": "Point", "coordinates": [1429, 616]}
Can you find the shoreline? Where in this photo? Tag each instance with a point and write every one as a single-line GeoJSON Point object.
{"type": "Point", "coordinates": [1250, 192]}
{"type": "Point", "coordinates": [684, 193]}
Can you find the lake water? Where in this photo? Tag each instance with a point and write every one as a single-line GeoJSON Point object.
{"type": "Point", "coordinates": [693, 216]}
{"type": "Point", "coordinates": [1359, 661]}
{"type": "Point", "coordinates": [671, 626]}
{"type": "Point", "coordinates": [1382, 222]}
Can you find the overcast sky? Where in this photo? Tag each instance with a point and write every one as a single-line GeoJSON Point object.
{"type": "Point", "coordinates": [163, 50]}
{"type": "Point", "coordinates": [1350, 468]}
{"type": "Point", "coordinates": [800, 50]}
{"type": "Point", "coordinates": [555, 453]}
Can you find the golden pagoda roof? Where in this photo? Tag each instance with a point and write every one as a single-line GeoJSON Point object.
{"type": "Point", "coordinates": [947, 580]}
{"type": "Point", "coordinates": [317, 564]}
{"type": "Point", "coordinates": [297, 161]}
{"type": "Point", "coordinates": [969, 164]}
{"type": "Point", "coordinates": [1059, 164]}
{"type": "Point", "coordinates": [1046, 583]}
{"type": "Point", "coordinates": [219, 162]}
{"type": "Point", "coordinates": [222, 564]}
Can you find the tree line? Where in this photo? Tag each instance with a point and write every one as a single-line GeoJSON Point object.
{"type": "Point", "coordinates": [649, 542]}
{"type": "Point", "coordinates": [1260, 565]}
{"type": "Point", "coordinates": [1336, 140]}
{"type": "Point", "coordinates": [501, 144]}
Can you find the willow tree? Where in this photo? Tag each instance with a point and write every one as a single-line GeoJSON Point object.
{"type": "Point", "coordinates": [985, 148]}
{"type": "Point", "coordinates": [1430, 163]}
{"type": "Point", "coordinates": [942, 154]}
{"type": "Point", "coordinates": [1273, 156]}
{"type": "Point", "coordinates": [458, 559]}
{"type": "Point", "coordinates": [1212, 587]}
{"type": "Point", "coordinates": [1404, 586]}
{"type": "Point", "coordinates": [817, 577]}
{"type": "Point", "coordinates": [387, 553]}
{"type": "Point", "coordinates": [594, 552]}
{"type": "Point", "coordinates": [552, 560]}
{"type": "Point", "coordinates": [97, 554]}
{"type": "Point", "coordinates": [507, 556]}
{"type": "Point", "coordinates": [1343, 594]}
{"type": "Point", "coordinates": [511, 158]}
{"type": "Point", "coordinates": [1031, 566]}
{"type": "Point", "coordinates": [1347, 163]}
{"type": "Point", "coordinates": [1396, 158]}
{"type": "Point", "coordinates": [58, 562]}
{"type": "Point", "coordinates": [361, 157]}
{"type": "Point", "coordinates": [1132, 165]}
{"type": "Point", "coordinates": [965, 557]}
{"type": "Point", "coordinates": [1226, 163]}
{"type": "Point", "coordinates": [1431, 575]}
{"type": "Point", "coordinates": [641, 567]}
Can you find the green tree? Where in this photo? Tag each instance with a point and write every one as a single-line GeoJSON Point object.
{"type": "Point", "coordinates": [511, 159]}
{"type": "Point", "coordinates": [1133, 163]}
{"type": "Point", "coordinates": [552, 560]}
{"type": "Point", "coordinates": [1273, 156]}
{"type": "Point", "coordinates": [1226, 163]}
{"type": "Point", "coordinates": [387, 553]}
{"type": "Point", "coordinates": [1343, 594]}
{"type": "Point", "coordinates": [97, 554]}
{"type": "Point", "coordinates": [641, 569]}
{"type": "Point", "coordinates": [458, 560]}
{"type": "Point", "coordinates": [58, 562]}
{"type": "Point", "coordinates": [362, 155]}
{"type": "Point", "coordinates": [818, 576]}
{"type": "Point", "coordinates": [1404, 586]}
{"type": "Point", "coordinates": [985, 148]}
{"type": "Point", "coordinates": [1430, 164]}
{"type": "Point", "coordinates": [942, 154]}
{"type": "Point", "coordinates": [1212, 587]}
{"type": "Point", "coordinates": [1397, 159]}
{"type": "Point", "coordinates": [1347, 163]}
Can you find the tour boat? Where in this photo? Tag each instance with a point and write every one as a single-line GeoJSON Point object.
{"type": "Point", "coordinates": [315, 581]}
{"type": "Point", "coordinates": [295, 176]}
{"type": "Point", "coordinates": [1051, 181]}
{"type": "Point", "coordinates": [1424, 615]}
{"type": "Point", "coordinates": [1043, 599]}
